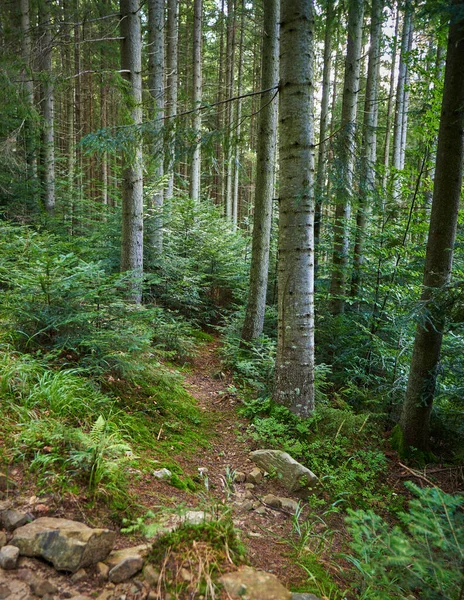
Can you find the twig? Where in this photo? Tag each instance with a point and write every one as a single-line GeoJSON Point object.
{"type": "Point", "coordinates": [418, 475]}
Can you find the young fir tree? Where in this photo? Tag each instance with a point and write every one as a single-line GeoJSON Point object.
{"type": "Point", "coordinates": [294, 370]}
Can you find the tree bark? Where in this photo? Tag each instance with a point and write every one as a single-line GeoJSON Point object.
{"type": "Point", "coordinates": [417, 406]}
{"type": "Point", "coordinates": [171, 91]}
{"type": "Point", "coordinates": [294, 371]}
{"type": "Point", "coordinates": [132, 183]}
{"type": "Point", "coordinates": [26, 44]}
{"type": "Point", "coordinates": [156, 87]}
{"type": "Point", "coordinates": [238, 130]}
{"type": "Point", "coordinates": [265, 159]}
{"type": "Point", "coordinates": [369, 143]}
{"type": "Point", "coordinates": [230, 70]}
{"type": "Point", "coordinates": [346, 151]}
{"type": "Point", "coordinates": [197, 85]}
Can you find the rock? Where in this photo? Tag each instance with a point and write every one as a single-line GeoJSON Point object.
{"type": "Point", "coordinates": [9, 557]}
{"type": "Point", "coordinates": [80, 597]}
{"type": "Point", "coordinates": [68, 545]}
{"type": "Point", "coordinates": [2, 539]}
{"type": "Point", "coordinates": [124, 564]}
{"type": "Point", "coordinates": [248, 495]}
{"type": "Point", "coordinates": [102, 571]}
{"type": "Point", "coordinates": [152, 595]}
{"type": "Point", "coordinates": [272, 501]}
{"type": "Point", "coordinates": [256, 476]}
{"type": "Point", "coordinates": [261, 510]}
{"type": "Point", "coordinates": [249, 486]}
{"type": "Point", "coordinates": [247, 506]}
{"type": "Point", "coordinates": [41, 587]}
{"type": "Point", "coordinates": [289, 504]}
{"type": "Point", "coordinates": [5, 591]}
{"type": "Point", "coordinates": [293, 475]}
{"type": "Point", "coordinates": [254, 585]}
{"type": "Point", "coordinates": [298, 596]}
{"type": "Point", "coordinates": [151, 575]}
{"type": "Point", "coordinates": [239, 477]}
{"type": "Point", "coordinates": [12, 519]}
{"type": "Point", "coordinates": [162, 474]}
{"type": "Point", "coordinates": [78, 576]}
{"type": "Point", "coordinates": [185, 575]}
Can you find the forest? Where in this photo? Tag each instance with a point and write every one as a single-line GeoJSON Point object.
{"type": "Point", "coordinates": [232, 299]}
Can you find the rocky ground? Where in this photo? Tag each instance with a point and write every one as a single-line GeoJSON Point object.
{"type": "Point", "coordinates": [48, 550]}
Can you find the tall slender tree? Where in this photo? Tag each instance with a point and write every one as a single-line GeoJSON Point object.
{"type": "Point", "coordinates": [195, 178]}
{"type": "Point", "coordinates": [265, 168]}
{"type": "Point", "coordinates": [132, 179]}
{"type": "Point", "coordinates": [418, 402]}
{"type": "Point", "coordinates": [294, 371]}
{"type": "Point", "coordinates": [172, 35]}
{"type": "Point", "coordinates": [346, 156]}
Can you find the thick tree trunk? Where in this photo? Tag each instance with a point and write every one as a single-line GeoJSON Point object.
{"type": "Point", "coordinates": [346, 150]}
{"type": "Point", "coordinates": [229, 143]}
{"type": "Point", "coordinates": [238, 130]}
{"type": "Point", "coordinates": [48, 133]}
{"type": "Point", "coordinates": [294, 371]}
{"type": "Point", "coordinates": [442, 234]}
{"type": "Point", "coordinates": [26, 43]}
{"type": "Point", "coordinates": [132, 184]}
{"type": "Point", "coordinates": [369, 143]}
{"type": "Point", "coordinates": [323, 128]}
{"type": "Point", "coordinates": [156, 87]}
{"type": "Point", "coordinates": [195, 179]}
{"type": "Point", "coordinates": [265, 159]}
{"type": "Point", "coordinates": [171, 91]}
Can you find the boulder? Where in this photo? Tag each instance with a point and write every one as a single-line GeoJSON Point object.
{"type": "Point", "coordinates": [9, 557]}
{"type": "Point", "coordinates": [254, 585]}
{"type": "Point", "coordinates": [68, 545]}
{"type": "Point", "coordinates": [271, 501]}
{"type": "Point", "coordinates": [292, 475]}
{"type": "Point", "coordinates": [289, 504]}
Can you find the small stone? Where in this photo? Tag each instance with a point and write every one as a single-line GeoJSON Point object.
{"type": "Point", "coordinates": [41, 587]}
{"type": "Point", "coordinates": [151, 575]}
{"type": "Point", "coordinates": [239, 477]}
{"type": "Point", "coordinates": [261, 510]}
{"type": "Point", "coordinates": [272, 501]}
{"type": "Point", "coordinates": [202, 471]}
{"type": "Point", "coordinates": [4, 591]}
{"type": "Point", "coordinates": [249, 495]}
{"type": "Point", "coordinates": [256, 476]}
{"type": "Point", "coordinates": [298, 596]}
{"type": "Point", "coordinates": [152, 595]}
{"type": "Point", "coordinates": [185, 574]}
{"type": "Point", "coordinates": [125, 569]}
{"type": "Point", "coordinates": [9, 557]}
{"type": "Point", "coordinates": [78, 576]}
{"type": "Point", "coordinates": [249, 486]}
{"type": "Point", "coordinates": [247, 506]}
{"type": "Point", "coordinates": [12, 519]}
{"type": "Point", "coordinates": [2, 539]}
{"type": "Point", "coordinates": [102, 571]}
{"type": "Point", "coordinates": [80, 597]}
{"type": "Point", "coordinates": [48, 597]}
{"type": "Point", "coordinates": [162, 474]}
{"type": "Point", "coordinates": [289, 504]}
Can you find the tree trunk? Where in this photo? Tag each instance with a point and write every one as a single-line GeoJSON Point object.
{"type": "Point", "coordinates": [48, 133]}
{"type": "Point", "coordinates": [197, 85]}
{"type": "Point", "coordinates": [31, 158]}
{"type": "Point", "coordinates": [294, 371]}
{"type": "Point", "coordinates": [230, 70]}
{"type": "Point", "coordinates": [369, 143]}
{"type": "Point", "coordinates": [265, 159]}
{"type": "Point", "coordinates": [132, 183]}
{"type": "Point", "coordinates": [439, 254]}
{"type": "Point", "coordinates": [346, 150]}
{"type": "Point", "coordinates": [171, 92]}
{"type": "Point", "coordinates": [323, 145]}
{"type": "Point", "coordinates": [235, 202]}
{"type": "Point", "coordinates": [156, 87]}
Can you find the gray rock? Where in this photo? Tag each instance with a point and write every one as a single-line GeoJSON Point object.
{"type": "Point", "coordinates": [2, 539]}
{"type": "Point", "coordinates": [5, 591]}
{"type": "Point", "coordinates": [239, 477]}
{"type": "Point", "coordinates": [247, 506]}
{"type": "Point", "coordinates": [78, 576]}
{"type": "Point", "coordinates": [272, 501]}
{"type": "Point", "coordinates": [289, 504]}
{"type": "Point", "coordinates": [254, 585]}
{"type": "Point", "coordinates": [151, 575]}
{"type": "Point", "coordinates": [256, 476]}
{"type": "Point", "coordinates": [293, 475]}
{"type": "Point", "coordinates": [12, 519]}
{"type": "Point", "coordinates": [9, 557]}
{"type": "Point", "coordinates": [68, 545]}
{"type": "Point", "coordinates": [42, 587]}
{"type": "Point", "coordinates": [261, 510]}
{"type": "Point", "coordinates": [124, 564]}
{"type": "Point", "coordinates": [162, 474]}
{"type": "Point", "coordinates": [102, 571]}
{"type": "Point", "coordinates": [297, 596]}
